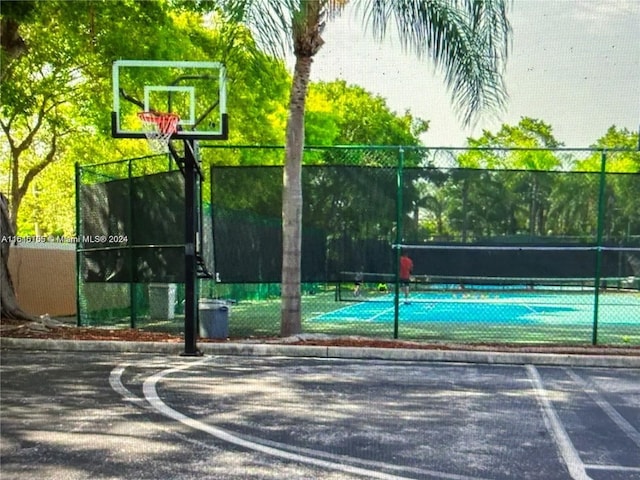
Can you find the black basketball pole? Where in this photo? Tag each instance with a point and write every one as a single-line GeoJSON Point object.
{"type": "Point", "coordinates": [190, 265]}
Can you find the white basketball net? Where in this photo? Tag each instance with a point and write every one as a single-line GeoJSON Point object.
{"type": "Point", "coordinates": [158, 128]}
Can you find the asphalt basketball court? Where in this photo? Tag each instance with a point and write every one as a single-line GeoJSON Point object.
{"type": "Point", "coordinates": [115, 415]}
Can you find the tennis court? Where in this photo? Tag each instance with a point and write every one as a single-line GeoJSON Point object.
{"type": "Point", "coordinates": [512, 308]}
{"type": "Point", "coordinates": [490, 310]}
{"type": "Point", "coordinates": [364, 207]}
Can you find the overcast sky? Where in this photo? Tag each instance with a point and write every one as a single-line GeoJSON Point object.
{"type": "Point", "coordinates": [574, 64]}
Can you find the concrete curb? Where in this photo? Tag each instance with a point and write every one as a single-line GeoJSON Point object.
{"type": "Point", "coordinates": [353, 353]}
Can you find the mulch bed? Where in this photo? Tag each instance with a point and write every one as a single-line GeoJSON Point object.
{"type": "Point", "coordinates": [22, 329]}
{"type": "Point", "coordinates": [497, 347]}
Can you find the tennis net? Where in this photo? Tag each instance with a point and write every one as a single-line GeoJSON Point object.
{"type": "Point", "coordinates": [365, 286]}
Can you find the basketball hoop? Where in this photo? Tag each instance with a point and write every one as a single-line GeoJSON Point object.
{"type": "Point", "coordinates": [158, 128]}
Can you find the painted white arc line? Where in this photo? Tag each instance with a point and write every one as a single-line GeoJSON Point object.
{"type": "Point", "coordinates": [151, 394]}
{"type": "Point", "coordinates": [115, 380]}
{"type": "Point", "coordinates": [567, 450]}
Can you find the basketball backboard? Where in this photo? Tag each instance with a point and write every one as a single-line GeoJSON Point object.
{"type": "Point", "coordinates": [196, 91]}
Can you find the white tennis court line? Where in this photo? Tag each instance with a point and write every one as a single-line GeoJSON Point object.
{"type": "Point", "coordinates": [355, 316]}
{"type": "Point", "coordinates": [554, 425]}
{"type": "Point", "coordinates": [528, 307]}
{"type": "Point", "coordinates": [592, 390]}
{"type": "Point", "coordinates": [383, 312]}
{"type": "Point", "coordinates": [348, 307]}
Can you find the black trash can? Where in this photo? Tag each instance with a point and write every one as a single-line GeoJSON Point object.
{"type": "Point", "coordinates": [214, 318]}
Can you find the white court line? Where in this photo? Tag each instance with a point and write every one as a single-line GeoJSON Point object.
{"type": "Point", "coordinates": [337, 310]}
{"type": "Point", "coordinates": [348, 307]}
{"type": "Point", "coordinates": [151, 395]}
{"type": "Point", "coordinates": [554, 425]}
{"type": "Point", "coordinates": [530, 307]}
{"type": "Point", "coordinates": [613, 468]}
{"type": "Point", "coordinates": [592, 390]}
{"type": "Point", "coordinates": [392, 309]}
{"type": "Point", "coordinates": [383, 312]}
{"type": "Point", "coordinates": [359, 316]}
{"type": "Point", "coordinates": [115, 380]}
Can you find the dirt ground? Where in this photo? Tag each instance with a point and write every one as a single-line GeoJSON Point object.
{"type": "Point", "coordinates": [66, 330]}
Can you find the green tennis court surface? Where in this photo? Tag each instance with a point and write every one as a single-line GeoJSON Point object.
{"type": "Point", "coordinates": [512, 308]}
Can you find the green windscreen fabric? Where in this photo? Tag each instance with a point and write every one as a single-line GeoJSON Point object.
{"type": "Point", "coordinates": [351, 213]}
{"type": "Point", "coordinates": [348, 217]}
{"type": "Point", "coordinates": [132, 230]}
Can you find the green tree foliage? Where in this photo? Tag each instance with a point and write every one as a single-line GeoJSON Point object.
{"type": "Point", "coordinates": [40, 84]}
{"type": "Point", "coordinates": [621, 155]}
{"type": "Point", "coordinates": [498, 200]}
{"type": "Point", "coordinates": [529, 133]}
{"type": "Point", "coordinates": [341, 114]}
{"type": "Point", "coordinates": [57, 97]}
{"type": "Point", "coordinates": [514, 184]}
{"type": "Point", "coordinates": [13, 46]}
{"type": "Point", "coordinates": [57, 94]}
{"type": "Point", "coordinates": [625, 145]}
{"type": "Point", "coordinates": [51, 91]}
{"type": "Point", "coordinates": [56, 103]}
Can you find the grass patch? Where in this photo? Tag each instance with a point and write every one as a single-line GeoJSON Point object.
{"type": "Point", "coordinates": [261, 318]}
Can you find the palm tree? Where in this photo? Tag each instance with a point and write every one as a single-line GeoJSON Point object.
{"type": "Point", "coordinates": [466, 39]}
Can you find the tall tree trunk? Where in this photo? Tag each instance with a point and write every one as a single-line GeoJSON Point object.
{"type": "Point", "coordinates": [291, 320]}
{"type": "Point", "coordinates": [8, 303]}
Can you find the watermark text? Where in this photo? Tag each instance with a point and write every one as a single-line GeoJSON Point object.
{"type": "Point", "coordinates": [82, 239]}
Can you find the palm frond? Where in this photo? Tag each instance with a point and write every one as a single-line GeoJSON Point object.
{"type": "Point", "coordinates": [268, 20]}
{"type": "Point", "coordinates": [276, 24]}
{"type": "Point", "coordinates": [466, 39]}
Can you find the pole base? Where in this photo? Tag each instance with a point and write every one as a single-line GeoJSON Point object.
{"type": "Point", "coordinates": [196, 353]}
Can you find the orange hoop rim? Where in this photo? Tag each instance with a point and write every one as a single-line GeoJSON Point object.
{"type": "Point", "coordinates": [166, 123]}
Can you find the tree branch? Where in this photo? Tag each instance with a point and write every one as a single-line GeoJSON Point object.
{"type": "Point", "coordinates": [34, 171]}
{"type": "Point", "coordinates": [28, 140]}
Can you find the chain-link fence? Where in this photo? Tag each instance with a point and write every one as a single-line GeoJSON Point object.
{"type": "Point", "coordinates": [130, 215]}
{"type": "Point", "coordinates": [507, 245]}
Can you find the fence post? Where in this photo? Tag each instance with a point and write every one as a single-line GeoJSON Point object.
{"type": "Point", "coordinates": [77, 244]}
{"type": "Point", "coordinates": [399, 200]}
{"type": "Point", "coordinates": [600, 228]}
{"type": "Point", "coordinates": [133, 315]}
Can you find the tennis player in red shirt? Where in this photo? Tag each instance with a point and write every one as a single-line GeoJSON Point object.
{"type": "Point", "coordinates": [406, 267]}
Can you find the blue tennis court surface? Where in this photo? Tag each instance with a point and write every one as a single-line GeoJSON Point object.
{"type": "Point", "coordinates": [512, 308]}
